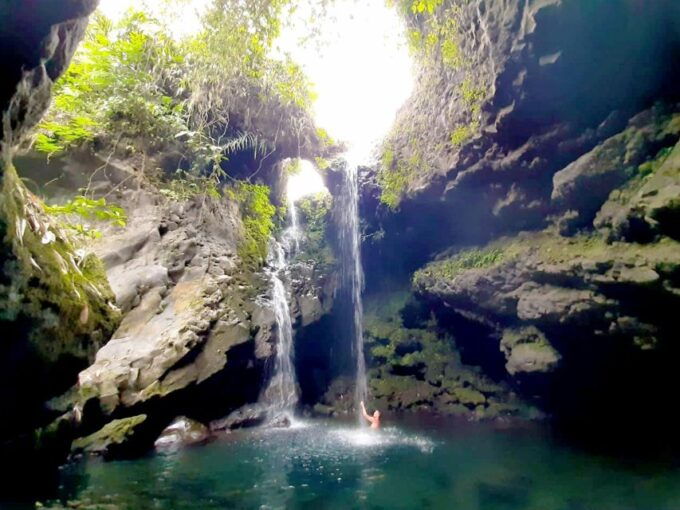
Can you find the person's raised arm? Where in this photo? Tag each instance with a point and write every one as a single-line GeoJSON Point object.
{"type": "Point", "coordinates": [364, 413]}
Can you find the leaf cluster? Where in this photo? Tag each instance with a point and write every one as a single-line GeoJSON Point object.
{"type": "Point", "coordinates": [257, 214]}
{"type": "Point", "coordinates": [132, 83]}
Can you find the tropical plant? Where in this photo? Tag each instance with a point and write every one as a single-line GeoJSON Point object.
{"type": "Point", "coordinates": [131, 84]}
{"type": "Point", "coordinates": [93, 210]}
{"type": "Point", "coordinates": [257, 214]}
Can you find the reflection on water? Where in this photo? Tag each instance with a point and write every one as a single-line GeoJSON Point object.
{"type": "Point", "coordinates": [330, 466]}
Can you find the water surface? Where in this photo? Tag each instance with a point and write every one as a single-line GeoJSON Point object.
{"type": "Point", "coordinates": [335, 466]}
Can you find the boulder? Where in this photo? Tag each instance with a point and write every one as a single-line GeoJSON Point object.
{"type": "Point", "coordinates": [180, 433]}
{"type": "Point", "coordinates": [648, 208]}
{"type": "Point", "coordinates": [527, 350]}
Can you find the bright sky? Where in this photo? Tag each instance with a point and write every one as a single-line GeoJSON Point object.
{"type": "Point", "coordinates": [362, 72]}
{"type": "Point", "coordinates": [359, 65]}
{"type": "Point", "coordinates": [305, 182]}
{"type": "Point", "coordinates": [185, 20]}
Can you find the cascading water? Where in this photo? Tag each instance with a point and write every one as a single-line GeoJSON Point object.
{"type": "Point", "coordinates": [353, 273]}
{"type": "Point", "coordinates": [282, 392]}
{"type": "Point", "coordinates": [294, 230]}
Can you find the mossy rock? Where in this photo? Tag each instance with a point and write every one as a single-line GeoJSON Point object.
{"type": "Point", "coordinates": [56, 306]}
{"type": "Point", "coordinates": [113, 434]}
{"type": "Point", "coordinates": [469, 396]}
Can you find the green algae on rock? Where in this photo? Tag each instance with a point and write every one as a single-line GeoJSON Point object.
{"type": "Point", "coordinates": [420, 368]}
{"type": "Point", "coordinates": [110, 439]}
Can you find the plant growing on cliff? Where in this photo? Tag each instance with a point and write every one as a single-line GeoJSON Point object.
{"type": "Point", "coordinates": [90, 209]}
{"type": "Point", "coordinates": [315, 212]}
{"type": "Point", "coordinates": [453, 266]}
{"type": "Point", "coordinates": [132, 85]}
{"type": "Point", "coordinates": [118, 85]}
{"type": "Point", "coordinates": [257, 213]}
{"type": "Point", "coordinates": [395, 175]}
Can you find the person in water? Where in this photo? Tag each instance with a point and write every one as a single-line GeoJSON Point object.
{"type": "Point", "coordinates": [374, 420]}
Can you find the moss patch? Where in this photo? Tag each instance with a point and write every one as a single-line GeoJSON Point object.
{"type": "Point", "coordinates": [546, 247]}
{"type": "Point", "coordinates": [414, 368]}
{"type": "Point", "coordinates": [258, 219]}
{"type": "Point", "coordinates": [63, 293]}
{"type": "Point", "coordinates": [467, 259]}
{"type": "Point", "coordinates": [116, 432]}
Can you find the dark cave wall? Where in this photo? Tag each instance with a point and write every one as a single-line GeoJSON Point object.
{"type": "Point", "coordinates": [575, 145]}
{"type": "Point", "coordinates": [610, 60]}
{"type": "Point", "coordinates": [54, 306]}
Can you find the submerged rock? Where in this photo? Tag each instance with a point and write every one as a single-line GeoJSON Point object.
{"type": "Point", "coordinates": [280, 421]}
{"type": "Point", "coordinates": [180, 433]}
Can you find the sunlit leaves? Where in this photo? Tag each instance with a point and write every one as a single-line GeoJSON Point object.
{"type": "Point", "coordinates": [132, 81]}
{"type": "Point", "coordinates": [428, 6]}
{"type": "Point", "coordinates": [258, 219]}
{"type": "Point", "coordinates": [92, 210]}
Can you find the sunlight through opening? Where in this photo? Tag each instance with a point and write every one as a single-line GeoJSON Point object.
{"type": "Point", "coordinates": [183, 16]}
{"type": "Point", "coordinates": [360, 67]}
{"type": "Point", "coordinates": [306, 181]}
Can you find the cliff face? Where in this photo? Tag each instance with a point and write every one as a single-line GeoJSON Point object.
{"type": "Point", "coordinates": [534, 175]}
{"type": "Point", "coordinates": [198, 335]}
{"type": "Point", "coordinates": [184, 327]}
{"type": "Point", "coordinates": [56, 307]}
{"type": "Point", "coordinates": [533, 86]}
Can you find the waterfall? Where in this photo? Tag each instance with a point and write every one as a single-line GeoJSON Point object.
{"type": "Point", "coordinates": [294, 230]}
{"type": "Point", "coordinates": [353, 273]}
{"type": "Point", "coordinates": [282, 392]}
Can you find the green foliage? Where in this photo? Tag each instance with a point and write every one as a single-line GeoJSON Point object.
{"type": "Point", "coordinates": [292, 166]}
{"type": "Point", "coordinates": [314, 214]}
{"type": "Point", "coordinates": [429, 6]}
{"type": "Point", "coordinates": [394, 176]}
{"type": "Point", "coordinates": [56, 137]}
{"type": "Point", "coordinates": [118, 83]}
{"type": "Point", "coordinates": [471, 95]}
{"type": "Point", "coordinates": [651, 166]}
{"type": "Point", "coordinates": [258, 219]}
{"type": "Point", "coordinates": [435, 37]}
{"type": "Point", "coordinates": [461, 135]}
{"type": "Point", "coordinates": [131, 82]}
{"type": "Point", "coordinates": [322, 163]}
{"type": "Point", "coordinates": [434, 32]}
{"type": "Point", "coordinates": [185, 186]}
{"type": "Point", "coordinates": [468, 259]}
{"type": "Point", "coordinates": [90, 209]}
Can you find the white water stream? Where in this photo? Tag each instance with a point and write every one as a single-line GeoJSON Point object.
{"type": "Point", "coordinates": [282, 392]}
{"type": "Point", "coordinates": [353, 273]}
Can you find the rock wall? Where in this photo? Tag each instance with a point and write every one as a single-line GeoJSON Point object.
{"type": "Point", "coordinates": [537, 191]}
{"type": "Point", "coordinates": [535, 86]}
{"type": "Point", "coordinates": [198, 335]}
{"type": "Point", "coordinates": [56, 307]}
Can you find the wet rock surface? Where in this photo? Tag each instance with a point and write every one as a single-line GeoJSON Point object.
{"type": "Point", "coordinates": [118, 438]}
{"type": "Point", "coordinates": [246, 416]}
{"type": "Point", "coordinates": [198, 334]}
{"type": "Point", "coordinates": [182, 432]}
{"type": "Point", "coordinates": [570, 316]}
